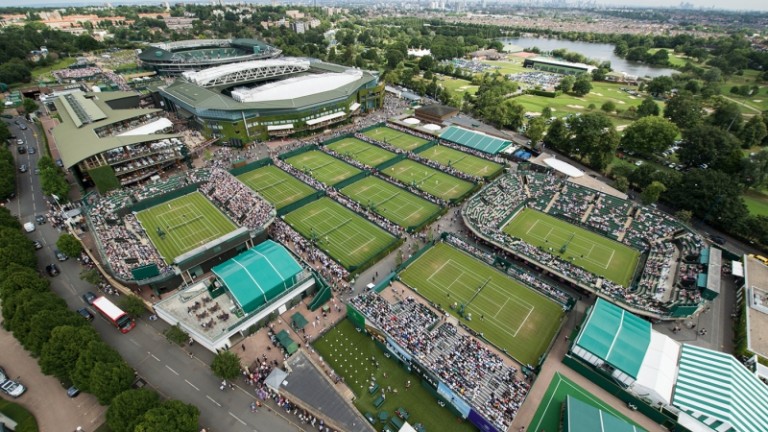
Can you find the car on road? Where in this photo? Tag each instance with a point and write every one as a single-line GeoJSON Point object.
{"type": "Point", "coordinates": [60, 255]}
{"type": "Point", "coordinates": [23, 127]}
{"type": "Point", "coordinates": [37, 245]}
{"type": "Point", "coordinates": [31, 150]}
{"type": "Point", "coordinates": [20, 142]}
{"type": "Point", "coordinates": [40, 219]}
{"type": "Point", "coordinates": [85, 313]}
{"type": "Point", "coordinates": [717, 239]}
{"type": "Point", "coordinates": [12, 388]}
{"type": "Point", "coordinates": [73, 391]}
{"type": "Point", "coordinates": [21, 149]}
{"type": "Point", "coordinates": [60, 163]}
{"type": "Point", "coordinates": [29, 227]}
{"type": "Point", "coordinates": [89, 297]}
{"type": "Point", "coordinates": [52, 270]}
{"type": "Point", "coordinates": [23, 168]}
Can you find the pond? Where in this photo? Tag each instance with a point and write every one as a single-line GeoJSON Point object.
{"type": "Point", "coordinates": [594, 51]}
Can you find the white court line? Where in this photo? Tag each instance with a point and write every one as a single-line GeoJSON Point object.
{"type": "Point", "coordinates": [557, 238]}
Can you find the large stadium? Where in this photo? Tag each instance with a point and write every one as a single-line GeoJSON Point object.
{"type": "Point", "coordinates": [256, 99]}
{"type": "Point", "coordinates": [173, 58]}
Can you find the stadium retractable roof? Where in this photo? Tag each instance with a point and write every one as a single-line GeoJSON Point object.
{"type": "Point", "coordinates": [475, 140]}
{"type": "Point", "coordinates": [616, 336]}
{"type": "Point", "coordinates": [247, 71]}
{"type": "Point", "coordinates": [719, 392]}
{"type": "Point", "coordinates": [583, 417]}
{"type": "Point", "coordinates": [258, 275]}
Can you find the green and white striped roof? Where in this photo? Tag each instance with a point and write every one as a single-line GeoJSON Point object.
{"type": "Point", "coordinates": [583, 417]}
{"type": "Point", "coordinates": [718, 391]}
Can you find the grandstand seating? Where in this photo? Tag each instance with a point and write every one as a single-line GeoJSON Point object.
{"type": "Point", "coordinates": [475, 140]}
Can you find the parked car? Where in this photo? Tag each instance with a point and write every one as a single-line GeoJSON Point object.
{"type": "Point", "coordinates": [37, 245]}
{"type": "Point", "coordinates": [717, 239]}
{"type": "Point", "coordinates": [21, 149]}
{"type": "Point", "coordinates": [89, 297]}
{"type": "Point", "coordinates": [40, 219]}
{"type": "Point", "coordinates": [59, 163]}
{"type": "Point", "coordinates": [12, 388]}
{"type": "Point", "coordinates": [60, 255]}
{"type": "Point", "coordinates": [31, 150]}
{"type": "Point", "coordinates": [23, 127]}
{"type": "Point", "coordinates": [52, 270]}
{"type": "Point", "coordinates": [85, 313]}
{"type": "Point", "coordinates": [29, 227]}
{"type": "Point", "coordinates": [23, 168]}
{"type": "Point", "coordinates": [73, 391]}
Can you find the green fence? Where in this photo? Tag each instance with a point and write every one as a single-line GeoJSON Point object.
{"type": "Point", "coordinates": [394, 244]}
{"type": "Point", "coordinates": [423, 147]}
{"type": "Point", "coordinates": [151, 202]}
{"type": "Point", "coordinates": [415, 256]}
{"type": "Point", "coordinates": [346, 182]}
{"type": "Point", "coordinates": [371, 127]}
{"type": "Point", "coordinates": [338, 138]}
{"type": "Point", "coordinates": [300, 203]}
{"type": "Point", "coordinates": [298, 151]}
{"type": "Point", "coordinates": [250, 167]}
{"type": "Point", "coordinates": [386, 164]}
{"type": "Point", "coordinates": [435, 216]}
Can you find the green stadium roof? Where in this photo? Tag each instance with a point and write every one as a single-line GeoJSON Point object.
{"type": "Point", "coordinates": [259, 274]}
{"type": "Point", "coordinates": [475, 140]}
{"type": "Point", "coordinates": [77, 141]}
{"type": "Point", "coordinates": [718, 391]}
{"type": "Point", "coordinates": [616, 336]}
{"type": "Point", "coordinates": [583, 417]}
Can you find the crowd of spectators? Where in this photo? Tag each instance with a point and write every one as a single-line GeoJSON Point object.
{"type": "Point", "coordinates": [242, 204]}
{"type": "Point", "coordinates": [650, 231]}
{"type": "Point", "coordinates": [76, 73]}
{"type": "Point", "coordinates": [462, 362]}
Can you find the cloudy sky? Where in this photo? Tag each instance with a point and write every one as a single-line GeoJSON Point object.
{"type": "Point", "coordinates": [761, 5]}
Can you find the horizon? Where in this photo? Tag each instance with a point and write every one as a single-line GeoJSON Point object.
{"type": "Point", "coordinates": [699, 5]}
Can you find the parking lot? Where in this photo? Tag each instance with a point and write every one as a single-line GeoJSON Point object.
{"type": "Point", "coordinates": [45, 398]}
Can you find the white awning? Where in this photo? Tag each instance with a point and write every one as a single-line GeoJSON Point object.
{"type": "Point", "coordinates": [280, 127]}
{"type": "Point", "coordinates": [737, 268]}
{"type": "Point", "coordinates": [326, 118]}
{"type": "Point", "coordinates": [411, 121]}
{"type": "Point", "coordinates": [149, 128]}
{"type": "Point", "coordinates": [354, 106]}
{"type": "Point", "coordinates": [564, 167]}
{"type": "Point", "coordinates": [432, 127]}
{"type": "Point", "coordinates": [659, 368]}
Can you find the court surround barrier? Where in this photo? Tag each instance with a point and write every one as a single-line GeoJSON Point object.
{"type": "Point", "coordinates": [250, 166]}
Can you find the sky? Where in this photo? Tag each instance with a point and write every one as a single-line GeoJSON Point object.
{"type": "Point", "coordinates": [761, 5]}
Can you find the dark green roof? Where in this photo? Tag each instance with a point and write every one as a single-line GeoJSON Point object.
{"type": "Point", "coordinates": [583, 417]}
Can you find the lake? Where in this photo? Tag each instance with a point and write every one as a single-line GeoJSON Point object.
{"type": "Point", "coordinates": [594, 51]}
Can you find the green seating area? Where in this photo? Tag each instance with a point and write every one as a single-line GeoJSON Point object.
{"type": "Point", "coordinates": [397, 422]}
{"type": "Point", "coordinates": [371, 419]}
{"type": "Point", "coordinates": [373, 389]}
{"type": "Point", "coordinates": [379, 401]}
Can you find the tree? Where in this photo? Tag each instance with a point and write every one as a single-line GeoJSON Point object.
{"type": "Point", "coordinates": [94, 352]}
{"type": "Point", "coordinates": [651, 193]}
{"type": "Point", "coordinates": [29, 105]}
{"type": "Point", "coordinates": [92, 276]}
{"type": "Point", "coordinates": [566, 84]}
{"type": "Point", "coordinates": [15, 248]}
{"type": "Point", "coordinates": [171, 416]}
{"type": "Point", "coordinates": [546, 112]}
{"type": "Point", "coordinates": [558, 136]}
{"type": "Point", "coordinates": [85, 42]}
{"type": "Point", "coordinates": [754, 132]}
{"type": "Point", "coordinates": [649, 135]}
{"type": "Point", "coordinates": [109, 379]}
{"type": "Point", "coordinates": [683, 110]}
{"type": "Point", "coordinates": [648, 107]}
{"type": "Point", "coordinates": [426, 63]}
{"type": "Point", "coordinates": [69, 245]}
{"type": "Point", "coordinates": [60, 354]}
{"type": "Point", "coordinates": [595, 138]}
{"type": "Point", "coordinates": [754, 169]}
{"type": "Point", "coordinates": [727, 116]}
{"type": "Point", "coordinates": [53, 182]}
{"type": "Point", "coordinates": [535, 129]}
{"type": "Point", "coordinates": [684, 216]}
{"type": "Point", "coordinates": [128, 408]}
{"type": "Point", "coordinates": [707, 144]}
{"type": "Point", "coordinates": [226, 365]}
{"type": "Point", "coordinates": [177, 335]}
{"type": "Point", "coordinates": [582, 85]}
{"type": "Point", "coordinates": [42, 324]}
{"type": "Point", "coordinates": [608, 106]}
{"type": "Point", "coordinates": [712, 196]}
{"type": "Point", "coordinates": [132, 305]}
{"type": "Point", "coordinates": [394, 58]}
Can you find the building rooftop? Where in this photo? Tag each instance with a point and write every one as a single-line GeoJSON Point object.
{"type": "Point", "coordinates": [298, 87]}
{"type": "Point", "coordinates": [554, 61]}
{"type": "Point", "coordinates": [76, 138]}
{"type": "Point", "coordinates": [756, 284]}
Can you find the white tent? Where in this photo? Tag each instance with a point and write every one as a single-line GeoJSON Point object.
{"type": "Point", "coordinates": [564, 167]}
{"type": "Point", "coordinates": [658, 372]}
{"type": "Point", "coordinates": [275, 379]}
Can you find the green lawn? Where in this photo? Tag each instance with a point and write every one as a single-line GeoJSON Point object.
{"type": "Point", "coordinates": [349, 353]}
{"type": "Point", "coordinates": [463, 162]}
{"type": "Point", "coordinates": [509, 314]}
{"type": "Point", "coordinates": [591, 251]}
{"type": "Point", "coordinates": [182, 224]}
{"type": "Point", "coordinates": [457, 86]}
{"type": "Point", "coordinates": [548, 415]}
{"type": "Point", "coordinates": [361, 151]}
{"type": "Point", "coordinates": [391, 202]}
{"type": "Point", "coordinates": [755, 103]}
{"type": "Point", "coordinates": [44, 73]}
{"type": "Point", "coordinates": [396, 138]}
{"type": "Point", "coordinates": [323, 167]}
{"type": "Point", "coordinates": [25, 420]}
{"type": "Point", "coordinates": [675, 60]}
{"type": "Point", "coordinates": [757, 203]}
{"type": "Point", "coordinates": [276, 186]}
{"type": "Point", "coordinates": [346, 236]}
{"type": "Point", "coordinates": [430, 180]}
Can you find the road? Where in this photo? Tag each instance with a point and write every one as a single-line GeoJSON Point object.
{"type": "Point", "coordinates": [166, 367]}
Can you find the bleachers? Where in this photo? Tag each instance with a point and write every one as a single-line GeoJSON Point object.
{"type": "Point", "coordinates": [573, 201]}
{"type": "Point", "coordinates": [609, 215]}
{"type": "Point", "coordinates": [475, 140]}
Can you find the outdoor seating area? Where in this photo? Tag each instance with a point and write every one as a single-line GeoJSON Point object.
{"type": "Point", "coordinates": [609, 215]}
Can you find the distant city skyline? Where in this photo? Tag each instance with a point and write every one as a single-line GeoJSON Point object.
{"type": "Point", "coordinates": [752, 5]}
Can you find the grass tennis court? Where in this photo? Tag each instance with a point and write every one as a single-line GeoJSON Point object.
{"type": "Point", "coordinates": [548, 415]}
{"type": "Point", "coordinates": [323, 167]}
{"type": "Point", "coordinates": [510, 315]}
{"type": "Point", "coordinates": [463, 162]}
{"type": "Point", "coordinates": [182, 224]}
{"type": "Point", "coordinates": [343, 234]}
{"type": "Point", "coordinates": [276, 186]}
{"type": "Point", "coordinates": [396, 138]}
{"type": "Point", "coordinates": [362, 151]}
{"type": "Point", "coordinates": [430, 180]}
{"type": "Point", "coordinates": [349, 353]}
{"type": "Point", "coordinates": [391, 202]}
{"type": "Point", "coordinates": [591, 251]}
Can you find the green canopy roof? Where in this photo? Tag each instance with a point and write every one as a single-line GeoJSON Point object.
{"type": "Point", "coordinates": [475, 140]}
{"type": "Point", "coordinates": [616, 336]}
{"type": "Point", "coordinates": [285, 340]}
{"type": "Point", "coordinates": [717, 390]}
{"type": "Point", "coordinates": [259, 274]}
{"type": "Point", "coordinates": [583, 417]}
